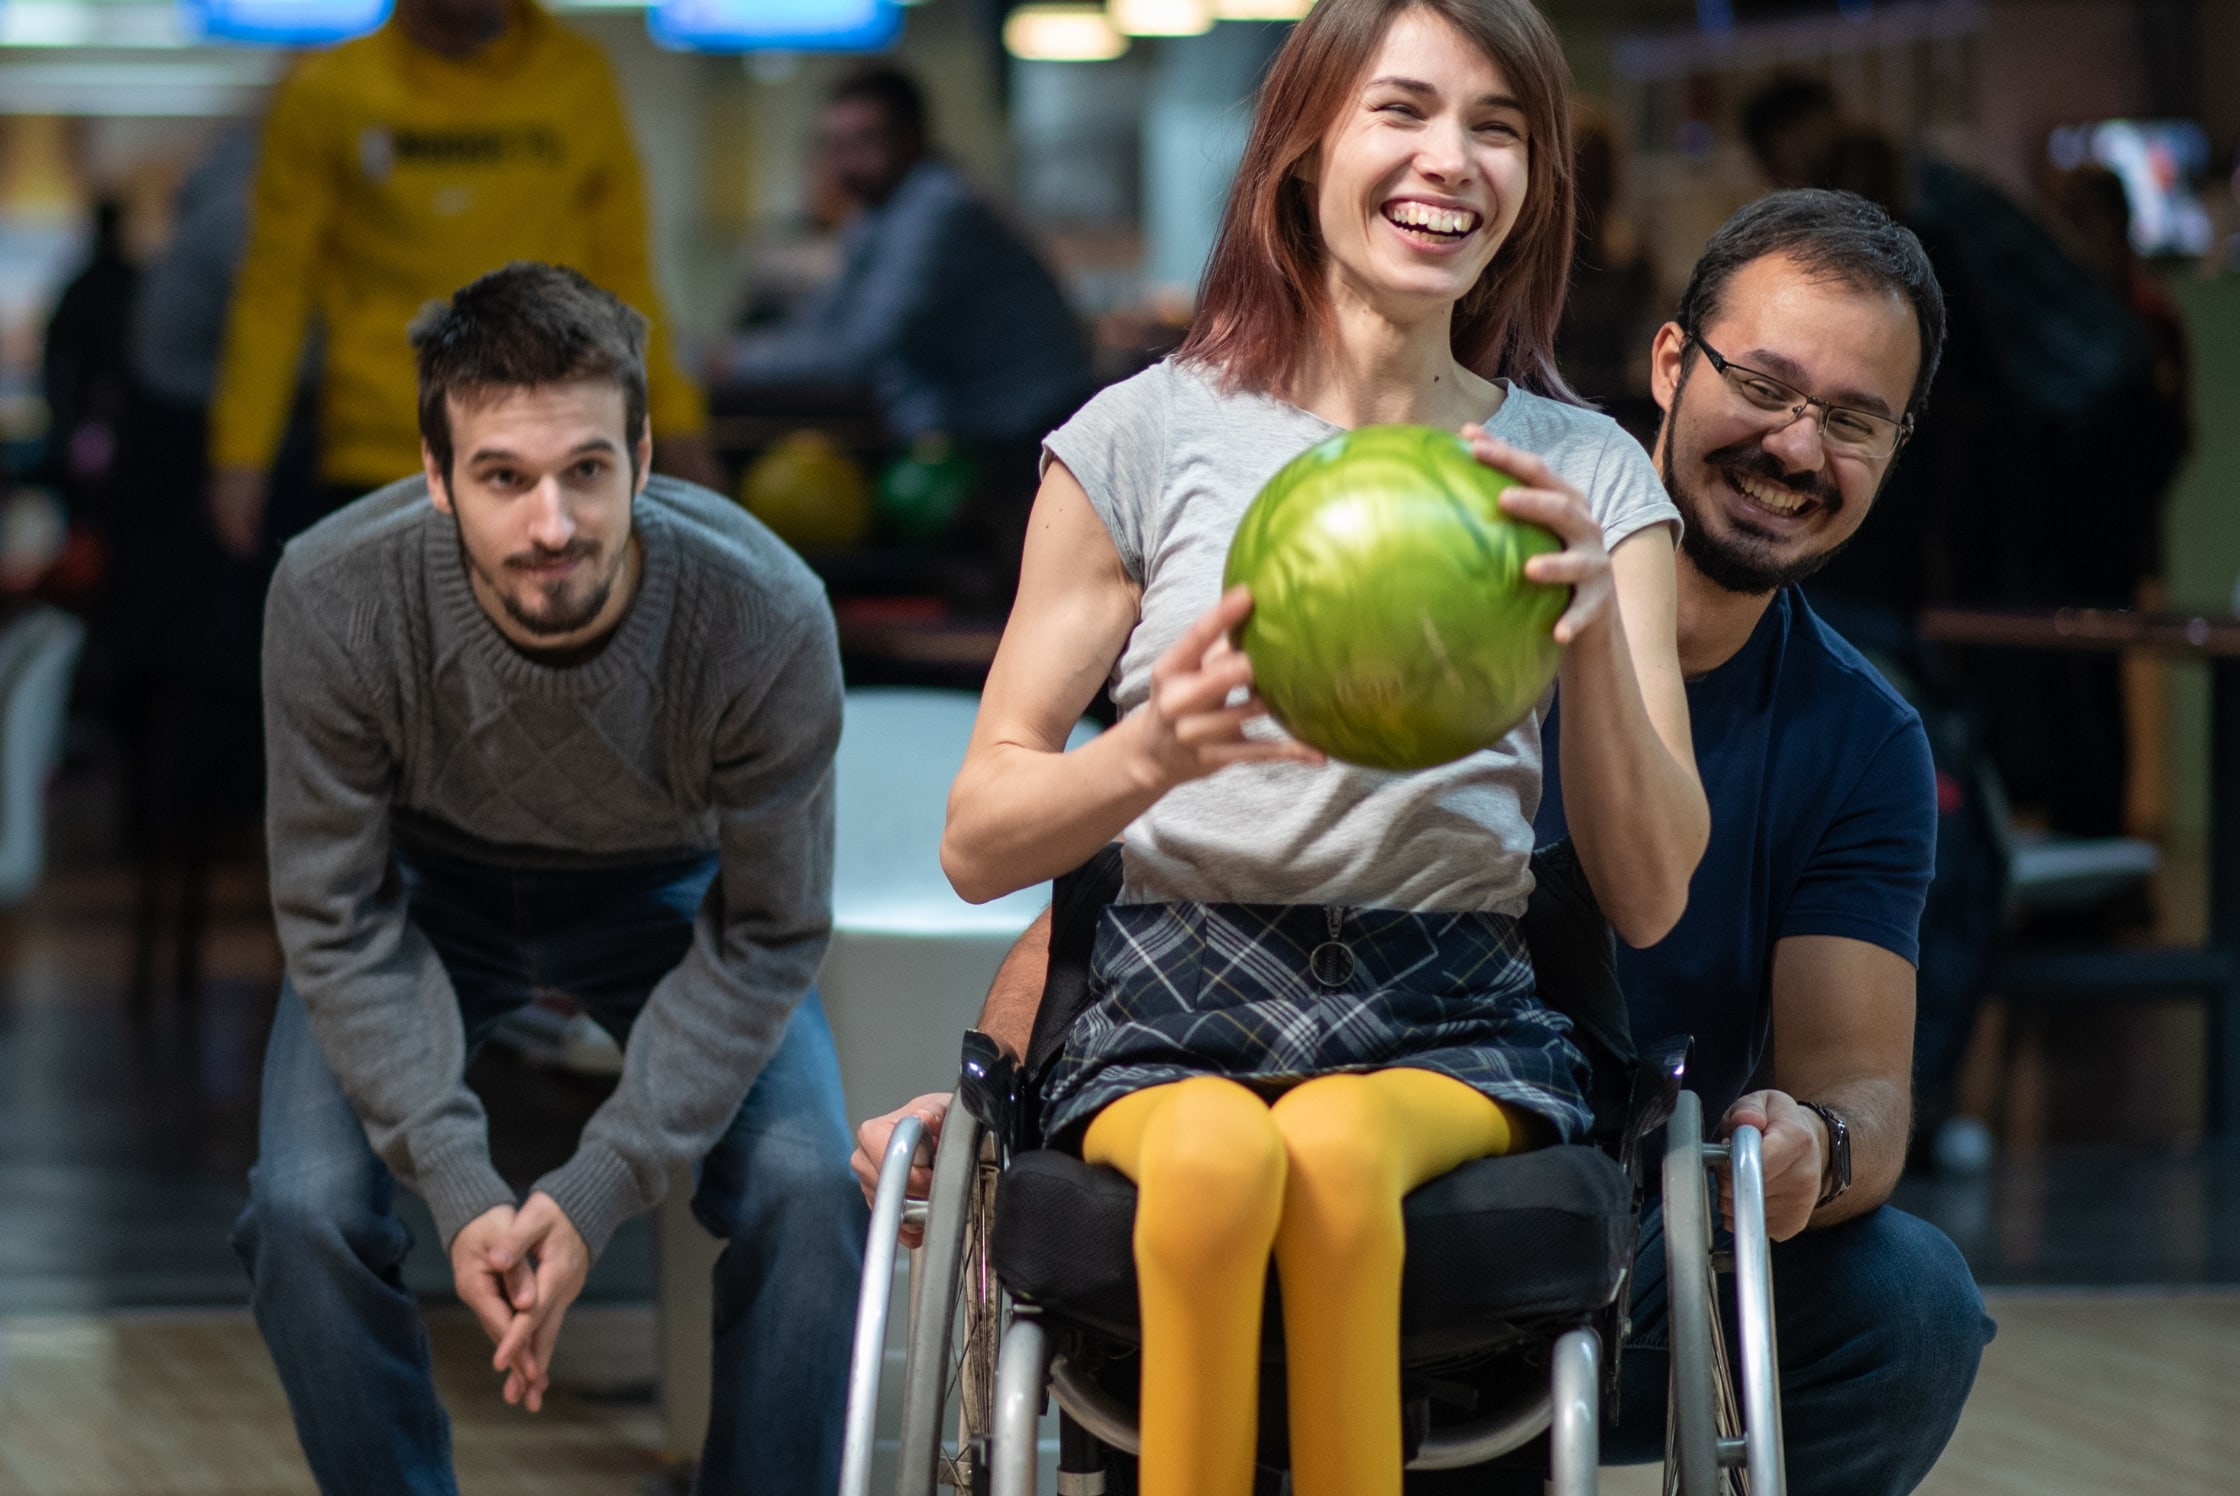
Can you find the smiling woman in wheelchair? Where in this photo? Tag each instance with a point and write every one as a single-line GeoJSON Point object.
{"type": "Point", "coordinates": [1311, 996]}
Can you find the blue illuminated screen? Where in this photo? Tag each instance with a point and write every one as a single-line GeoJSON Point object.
{"type": "Point", "coordinates": [764, 25]}
{"type": "Point", "coordinates": [284, 23]}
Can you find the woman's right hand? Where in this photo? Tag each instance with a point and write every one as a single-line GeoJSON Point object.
{"type": "Point", "coordinates": [1189, 726]}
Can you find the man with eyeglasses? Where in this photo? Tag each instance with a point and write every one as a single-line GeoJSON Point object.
{"type": "Point", "coordinates": [1804, 348]}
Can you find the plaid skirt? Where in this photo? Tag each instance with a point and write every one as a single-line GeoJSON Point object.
{"type": "Point", "coordinates": [1271, 995]}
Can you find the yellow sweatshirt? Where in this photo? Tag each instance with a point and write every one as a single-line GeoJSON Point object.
{"type": "Point", "coordinates": [392, 176]}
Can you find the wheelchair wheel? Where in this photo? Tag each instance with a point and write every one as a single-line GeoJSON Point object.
{"type": "Point", "coordinates": [1718, 1441]}
{"type": "Point", "coordinates": [955, 1313]}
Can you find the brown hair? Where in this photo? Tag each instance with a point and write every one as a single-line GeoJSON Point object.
{"type": "Point", "coordinates": [525, 325]}
{"type": "Point", "coordinates": [1262, 298]}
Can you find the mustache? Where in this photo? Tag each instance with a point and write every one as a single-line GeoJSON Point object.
{"type": "Point", "coordinates": [537, 555]}
{"type": "Point", "coordinates": [1750, 457]}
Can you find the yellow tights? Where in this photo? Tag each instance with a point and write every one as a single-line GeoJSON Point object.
{"type": "Point", "coordinates": [1221, 1178]}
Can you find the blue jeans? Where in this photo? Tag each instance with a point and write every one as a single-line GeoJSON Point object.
{"type": "Point", "coordinates": [1880, 1329]}
{"type": "Point", "coordinates": [324, 1248]}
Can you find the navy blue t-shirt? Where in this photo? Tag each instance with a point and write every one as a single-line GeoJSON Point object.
{"type": "Point", "coordinates": [1823, 822]}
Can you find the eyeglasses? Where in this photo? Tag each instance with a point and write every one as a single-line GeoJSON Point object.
{"type": "Point", "coordinates": [1855, 433]}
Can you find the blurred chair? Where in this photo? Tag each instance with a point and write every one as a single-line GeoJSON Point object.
{"type": "Point", "coordinates": [2049, 875]}
{"type": "Point", "coordinates": [909, 964]}
{"type": "Point", "coordinates": [38, 658]}
{"type": "Point", "coordinates": [2053, 878]}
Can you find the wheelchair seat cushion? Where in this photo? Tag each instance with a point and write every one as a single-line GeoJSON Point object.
{"type": "Point", "coordinates": [1496, 1247]}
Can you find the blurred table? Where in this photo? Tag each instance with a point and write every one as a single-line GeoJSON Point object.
{"type": "Point", "coordinates": [902, 641]}
{"type": "Point", "coordinates": [744, 419]}
{"type": "Point", "coordinates": [2213, 970]}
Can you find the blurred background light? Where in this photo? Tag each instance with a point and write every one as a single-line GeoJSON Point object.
{"type": "Point", "coordinates": [1062, 33]}
{"type": "Point", "coordinates": [80, 23]}
{"type": "Point", "coordinates": [1260, 10]}
{"type": "Point", "coordinates": [1162, 17]}
{"type": "Point", "coordinates": [46, 23]}
{"type": "Point", "coordinates": [191, 86]}
{"type": "Point", "coordinates": [787, 25]}
{"type": "Point", "coordinates": [282, 23]}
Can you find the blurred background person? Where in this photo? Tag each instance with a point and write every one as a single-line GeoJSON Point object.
{"type": "Point", "coordinates": [178, 636]}
{"type": "Point", "coordinates": [2038, 485]}
{"type": "Point", "coordinates": [2090, 199]}
{"type": "Point", "coordinates": [461, 135]}
{"type": "Point", "coordinates": [83, 368]}
{"type": "Point", "coordinates": [1612, 313]}
{"type": "Point", "coordinates": [2005, 499]}
{"type": "Point", "coordinates": [941, 312]}
{"type": "Point", "coordinates": [1793, 128]}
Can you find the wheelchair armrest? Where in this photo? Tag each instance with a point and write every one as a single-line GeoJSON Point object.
{"type": "Point", "coordinates": [1657, 1084]}
{"type": "Point", "coordinates": [988, 1088]}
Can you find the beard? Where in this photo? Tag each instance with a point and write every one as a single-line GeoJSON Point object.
{"type": "Point", "coordinates": [1748, 560]}
{"type": "Point", "coordinates": [564, 615]}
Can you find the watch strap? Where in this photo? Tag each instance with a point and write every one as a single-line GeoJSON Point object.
{"type": "Point", "coordinates": [1835, 1170]}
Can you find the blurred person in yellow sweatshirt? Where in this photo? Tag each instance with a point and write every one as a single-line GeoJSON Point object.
{"type": "Point", "coordinates": [461, 135]}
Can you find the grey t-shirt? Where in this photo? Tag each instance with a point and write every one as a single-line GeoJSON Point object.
{"type": "Point", "coordinates": [1170, 462]}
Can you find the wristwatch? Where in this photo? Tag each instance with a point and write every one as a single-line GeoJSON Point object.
{"type": "Point", "coordinates": [1835, 1174]}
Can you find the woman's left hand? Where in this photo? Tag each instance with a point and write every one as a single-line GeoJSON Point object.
{"type": "Point", "coordinates": [1543, 499]}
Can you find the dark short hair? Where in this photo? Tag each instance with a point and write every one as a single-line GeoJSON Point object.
{"type": "Point", "coordinates": [896, 94]}
{"type": "Point", "coordinates": [1781, 103]}
{"type": "Point", "coordinates": [1836, 235]}
{"type": "Point", "coordinates": [526, 325]}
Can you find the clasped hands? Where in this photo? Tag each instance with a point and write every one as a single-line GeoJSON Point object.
{"type": "Point", "coordinates": [519, 1270]}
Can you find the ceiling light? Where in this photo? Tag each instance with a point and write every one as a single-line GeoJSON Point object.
{"type": "Point", "coordinates": [1062, 33]}
{"type": "Point", "coordinates": [1162, 17]}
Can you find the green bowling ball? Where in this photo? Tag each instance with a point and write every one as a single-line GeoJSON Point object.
{"type": "Point", "coordinates": [1392, 625]}
{"type": "Point", "coordinates": [921, 493]}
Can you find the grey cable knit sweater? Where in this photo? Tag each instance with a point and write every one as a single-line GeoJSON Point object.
{"type": "Point", "coordinates": [394, 709]}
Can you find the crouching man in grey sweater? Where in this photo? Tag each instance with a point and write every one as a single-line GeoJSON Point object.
{"type": "Point", "coordinates": [537, 724]}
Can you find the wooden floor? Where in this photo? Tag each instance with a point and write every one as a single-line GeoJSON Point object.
{"type": "Point", "coordinates": [2083, 1394]}
{"type": "Point", "coordinates": [186, 1404]}
{"type": "Point", "coordinates": [2091, 1394]}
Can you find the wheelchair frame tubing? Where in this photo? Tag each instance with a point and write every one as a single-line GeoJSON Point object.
{"type": "Point", "coordinates": [873, 1302]}
{"type": "Point", "coordinates": [1020, 1373]}
{"type": "Point", "coordinates": [935, 1276]}
{"type": "Point", "coordinates": [1575, 1432]}
{"type": "Point", "coordinates": [1760, 1350]}
{"type": "Point", "coordinates": [1715, 1426]}
{"type": "Point", "coordinates": [1692, 1431]}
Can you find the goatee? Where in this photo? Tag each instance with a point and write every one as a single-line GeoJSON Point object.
{"type": "Point", "coordinates": [547, 625]}
{"type": "Point", "coordinates": [1730, 563]}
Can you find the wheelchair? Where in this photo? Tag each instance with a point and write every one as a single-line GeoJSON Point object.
{"type": "Point", "coordinates": [1514, 1291]}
